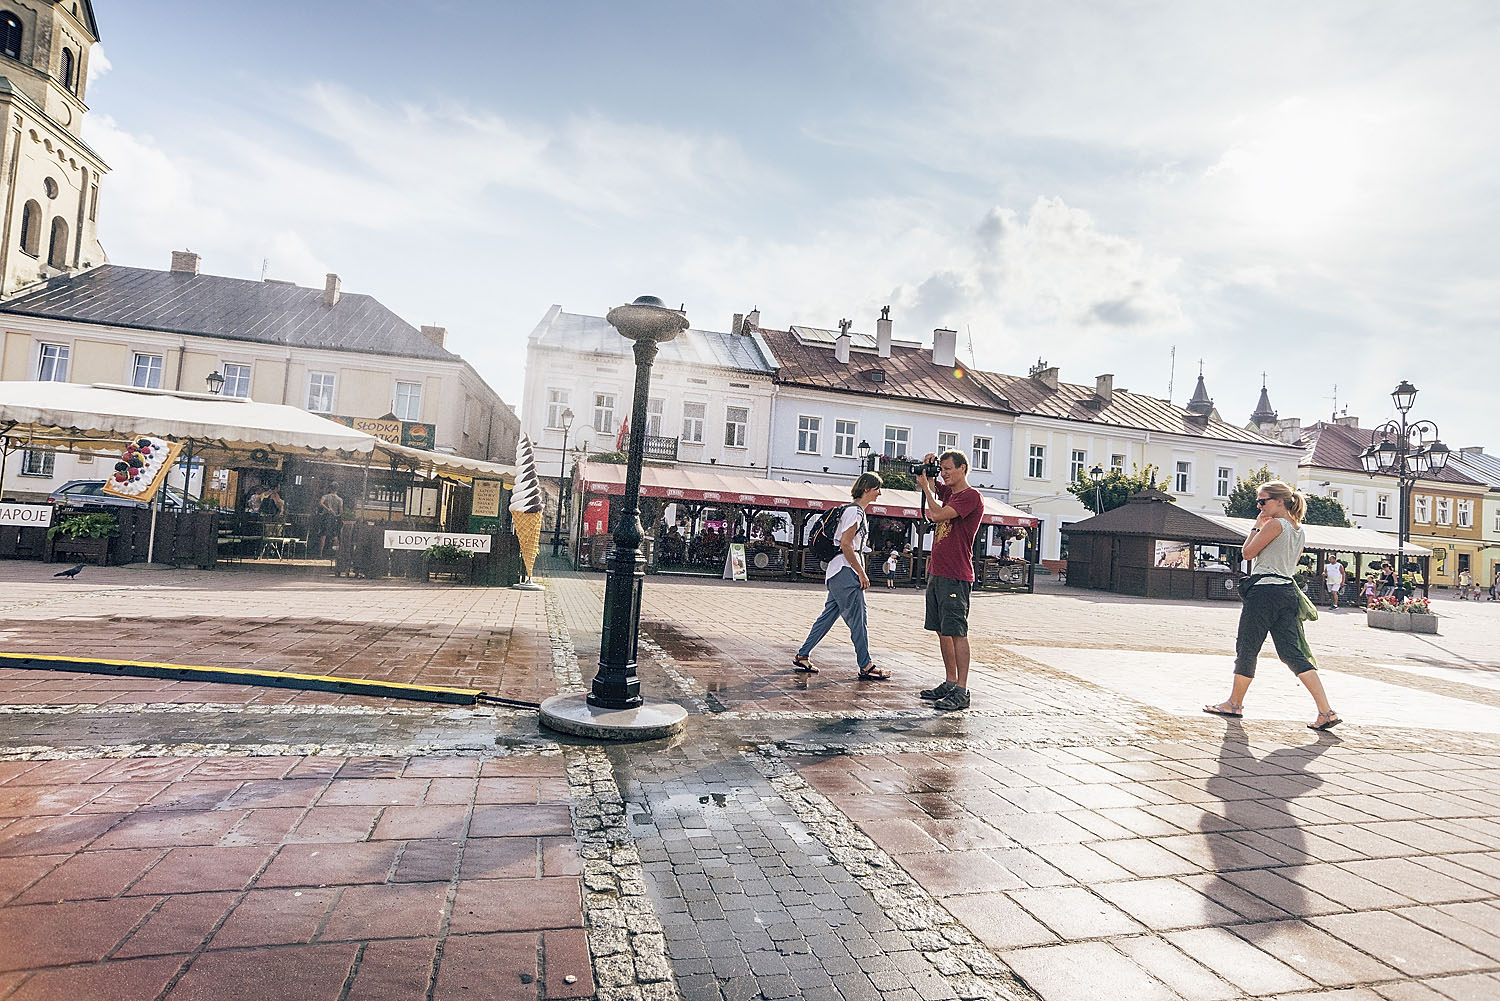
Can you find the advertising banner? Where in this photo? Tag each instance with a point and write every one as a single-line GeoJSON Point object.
{"type": "Point", "coordinates": [421, 540]}
{"type": "Point", "coordinates": [734, 563]}
{"type": "Point", "coordinates": [416, 434]}
{"type": "Point", "coordinates": [142, 468]}
{"type": "Point", "coordinates": [486, 501]}
{"type": "Point", "coordinates": [25, 515]}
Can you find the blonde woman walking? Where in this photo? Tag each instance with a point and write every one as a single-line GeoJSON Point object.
{"type": "Point", "coordinates": [1271, 603]}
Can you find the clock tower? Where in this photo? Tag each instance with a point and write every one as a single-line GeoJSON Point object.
{"type": "Point", "coordinates": [49, 179]}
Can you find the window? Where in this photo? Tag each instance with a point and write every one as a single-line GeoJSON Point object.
{"type": "Point", "coordinates": [1036, 462]}
{"type": "Point", "coordinates": [1334, 493]}
{"type": "Point", "coordinates": [408, 401]}
{"type": "Point", "coordinates": [37, 462]}
{"type": "Point", "coordinates": [1076, 462]}
{"type": "Point", "coordinates": [57, 246]}
{"type": "Point", "coordinates": [1117, 463]}
{"type": "Point", "coordinates": [1444, 511]}
{"type": "Point", "coordinates": [146, 372]}
{"type": "Point", "coordinates": [52, 364]}
{"type": "Point", "coordinates": [93, 202]}
{"type": "Point", "coordinates": [69, 70]}
{"type": "Point", "coordinates": [692, 422]}
{"type": "Point", "coordinates": [557, 402]}
{"type": "Point", "coordinates": [946, 440]}
{"type": "Point", "coordinates": [31, 228]}
{"type": "Point", "coordinates": [897, 441]}
{"type": "Point", "coordinates": [10, 35]}
{"type": "Point", "coordinates": [736, 420]}
{"type": "Point", "coordinates": [1382, 505]}
{"type": "Point", "coordinates": [1421, 508]}
{"type": "Point", "coordinates": [236, 380]}
{"type": "Point", "coordinates": [1182, 480]}
{"type": "Point", "coordinates": [655, 409]}
{"type": "Point", "coordinates": [604, 413]}
{"type": "Point", "coordinates": [843, 438]}
{"type": "Point", "coordinates": [1223, 481]}
{"type": "Point", "coordinates": [807, 434]}
{"type": "Point", "coordinates": [1465, 514]}
{"type": "Point", "coordinates": [1360, 504]}
{"type": "Point", "coordinates": [320, 392]}
{"type": "Point", "coordinates": [981, 456]}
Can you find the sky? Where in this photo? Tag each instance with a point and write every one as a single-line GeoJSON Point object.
{"type": "Point", "coordinates": [1302, 190]}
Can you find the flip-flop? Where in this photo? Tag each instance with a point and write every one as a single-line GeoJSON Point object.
{"type": "Point", "coordinates": [1216, 711]}
{"type": "Point", "coordinates": [1323, 724]}
{"type": "Point", "coordinates": [872, 673]}
{"type": "Point", "coordinates": [804, 664]}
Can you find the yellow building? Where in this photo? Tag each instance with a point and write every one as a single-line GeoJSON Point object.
{"type": "Point", "coordinates": [1447, 517]}
{"type": "Point", "coordinates": [1479, 465]}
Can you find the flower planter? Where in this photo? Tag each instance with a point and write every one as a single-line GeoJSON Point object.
{"type": "Point", "coordinates": [1406, 622]}
{"type": "Point", "coordinates": [65, 550]}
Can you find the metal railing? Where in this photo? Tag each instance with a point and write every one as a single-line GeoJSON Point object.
{"type": "Point", "coordinates": [661, 449]}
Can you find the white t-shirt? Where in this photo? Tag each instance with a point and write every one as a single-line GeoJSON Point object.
{"type": "Point", "coordinates": [853, 515]}
{"type": "Point", "coordinates": [890, 565]}
{"type": "Point", "coordinates": [1335, 574]}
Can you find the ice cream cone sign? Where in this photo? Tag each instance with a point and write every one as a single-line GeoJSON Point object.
{"type": "Point", "coordinates": [526, 506]}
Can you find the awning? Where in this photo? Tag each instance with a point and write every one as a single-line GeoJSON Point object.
{"type": "Point", "coordinates": [701, 485]}
{"type": "Point", "coordinates": [452, 466]}
{"type": "Point", "coordinates": [1332, 539]}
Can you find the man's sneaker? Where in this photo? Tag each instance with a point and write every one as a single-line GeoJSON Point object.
{"type": "Point", "coordinates": [933, 694]}
{"type": "Point", "coordinates": [957, 698]}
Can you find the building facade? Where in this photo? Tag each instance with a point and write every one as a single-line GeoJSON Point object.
{"type": "Point", "coordinates": [1478, 464]}
{"type": "Point", "coordinates": [49, 177]}
{"type": "Point", "coordinates": [341, 355]}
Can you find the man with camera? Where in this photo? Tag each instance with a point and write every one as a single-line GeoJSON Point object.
{"type": "Point", "coordinates": [956, 508]}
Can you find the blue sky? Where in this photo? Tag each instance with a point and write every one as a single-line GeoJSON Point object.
{"type": "Point", "coordinates": [1302, 189]}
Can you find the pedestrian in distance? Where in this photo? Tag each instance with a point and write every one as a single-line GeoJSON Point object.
{"type": "Point", "coordinates": [1272, 604]}
{"type": "Point", "coordinates": [1333, 575]}
{"type": "Point", "coordinates": [847, 581]}
{"type": "Point", "coordinates": [330, 518]}
{"type": "Point", "coordinates": [956, 508]}
{"type": "Point", "coordinates": [1369, 591]}
{"type": "Point", "coordinates": [890, 569]}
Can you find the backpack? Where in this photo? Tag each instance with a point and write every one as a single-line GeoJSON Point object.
{"type": "Point", "coordinates": [825, 544]}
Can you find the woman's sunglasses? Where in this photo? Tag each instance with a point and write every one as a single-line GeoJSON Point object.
{"type": "Point", "coordinates": [1261, 501]}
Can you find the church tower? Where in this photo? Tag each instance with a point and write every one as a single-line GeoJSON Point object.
{"type": "Point", "coordinates": [49, 179]}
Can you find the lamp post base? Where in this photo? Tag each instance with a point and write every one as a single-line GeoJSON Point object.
{"type": "Point", "coordinates": [652, 720]}
{"type": "Point", "coordinates": [527, 585]}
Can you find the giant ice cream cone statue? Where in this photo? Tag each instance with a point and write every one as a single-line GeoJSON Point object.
{"type": "Point", "coordinates": [526, 507]}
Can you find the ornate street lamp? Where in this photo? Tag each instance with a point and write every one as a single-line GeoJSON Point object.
{"type": "Point", "coordinates": [1407, 451]}
{"type": "Point", "coordinates": [215, 383]}
{"type": "Point", "coordinates": [562, 459]}
{"type": "Point", "coordinates": [864, 456]}
{"type": "Point", "coordinates": [1097, 476]}
{"type": "Point", "coordinates": [614, 708]}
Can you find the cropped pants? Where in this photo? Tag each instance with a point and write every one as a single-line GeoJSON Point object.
{"type": "Point", "coordinates": [1271, 608]}
{"type": "Point", "coordinates": [847, 600]}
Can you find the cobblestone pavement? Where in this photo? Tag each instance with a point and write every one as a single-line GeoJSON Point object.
{"type": "Point", "coordinates": [1082, 832]}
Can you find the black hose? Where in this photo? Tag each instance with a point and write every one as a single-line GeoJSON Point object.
{"type": "Point", "coordinates": [486, 699]}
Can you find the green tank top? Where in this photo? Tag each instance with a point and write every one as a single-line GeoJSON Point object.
{"type": "Point", "coordinates": [1281, 555]}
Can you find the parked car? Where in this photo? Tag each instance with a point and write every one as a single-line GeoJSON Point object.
{"type": "Point", "coordinates": [90, 493]}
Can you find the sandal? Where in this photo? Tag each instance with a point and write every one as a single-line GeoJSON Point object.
{"type": "Point", "coordinates": [1234, 710]}
{"type": "Point", "coordinates": [1326, 721]}
{"type": "Point", "coordinates": [804, 664]}
{"type": "Point", "coordinates": [872, 673]}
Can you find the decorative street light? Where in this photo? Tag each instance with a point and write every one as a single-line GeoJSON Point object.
{"type": "Point", "coordinates": [1097, 476]}
{"type": "Point", "coordinates": [865, 465]}
{"type": "Point", "coordinates": [215, 383]}
{"type": "Point", "coordinates": [1407, 451]}
{"type": "Point", "coordinates": [567, 423]}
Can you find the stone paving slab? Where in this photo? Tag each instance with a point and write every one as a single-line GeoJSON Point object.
{"type": "Point", "coordinates": [290, 877]}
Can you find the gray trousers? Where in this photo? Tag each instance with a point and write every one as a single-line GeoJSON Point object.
{"type": "Point", "coordinates": [846, 600]}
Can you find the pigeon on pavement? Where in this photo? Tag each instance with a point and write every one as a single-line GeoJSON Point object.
{"type": "Point", "coordinates": [70, 572]}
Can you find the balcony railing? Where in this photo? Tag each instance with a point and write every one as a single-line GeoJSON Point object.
{"type": "Point", "coordinates": [660, 449]}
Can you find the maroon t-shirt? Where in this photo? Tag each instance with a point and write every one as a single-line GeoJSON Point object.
{"type": "Point", "coordinates": [953, 550]}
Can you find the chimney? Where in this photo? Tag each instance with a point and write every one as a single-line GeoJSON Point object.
{"type": "Point", "coordinates": [1347, 421]}
{"type": "Point", "coordinates": [737, 325]}
{"type": "Point", "coordinates": [944, 347]}
{"type": "Point", "coordinates": [437, 335]}
{"type": "Point", "coordinates": [185, 262]}
{"type": "Point", "coordinates": [1104, 389]}
{"type": "Point", "coordinates": [1290, 429]}
{"type": "Point", "coordinates": [753, 317]}
{"type": "Point", "coordinates": [1471, 450]}
{"type": "Point", "coordinates": [841, 345]}
{"type": "Point", "coordinates": [883, 333]}
{"type": "Point", "coordinates": [331, 290]}
{"type": "Point", "coordinates": [1043, 374]}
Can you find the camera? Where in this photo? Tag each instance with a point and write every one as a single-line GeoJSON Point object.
{"type": "Point", "coordinates": [927, 469]}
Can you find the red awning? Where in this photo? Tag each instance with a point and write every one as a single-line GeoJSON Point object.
{"type": "Point", "coordinates": [701, 485]}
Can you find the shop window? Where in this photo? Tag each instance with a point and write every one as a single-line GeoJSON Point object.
{"type": "Point", "coordinates": [37, 462]}
{"type": "Point", "coordinates": [736, 422]}
{"type": "Point", "coordinates": [808, 431]}
{"type": "Point", "coordinates": [693, 416]}
{"type": "Point", "coordinates": [52, 363]}
{"type": "Point", "coordinates": [981, 453]}
{"type": "Point", "coordinates": [320, 388]}
{"type": "Point", "coordinates": [236, 380]}
{"type": "Point", "coordinates": [145, 372]}
{"type": "Point", "coordinates": [408, 401]}
{"type": "Point", "coordinates": [897, 441]}
{"type": "Point", "coordinates": [843, 438]}
{"type": "Point", "coordinates": [1036, 462]}
{"type": "Point", "coordinates": [557, 402]}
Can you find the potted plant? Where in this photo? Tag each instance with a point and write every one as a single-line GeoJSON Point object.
{"type": "Point", "coordinates": [446, 560]}
{"type": "Point", "coordinates": [1413, 615]}
{"type": "Point", "coordinates": [82, 537]}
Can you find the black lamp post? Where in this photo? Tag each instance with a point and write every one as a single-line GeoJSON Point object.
{"type": "Point", "coordinates": [562, 474]}
{"type": "Point", "coordinates": [866, 460]}
{"type": "Point", "coordinates": [1097, 476]}
{"type": "Point", "coordinates": [647, 322]}
{"type": "Point", "coordinates": [1407, 451]}
{"type": "Point", "coordinates": [215, 383]}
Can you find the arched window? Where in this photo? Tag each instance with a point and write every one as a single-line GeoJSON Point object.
{"type": "Point", "coordinates": [10, 34]}
{"type": "Point", "coordinates": [57, 250]}
{"type": "Point", "coordinates": [69, 74]}
{"type": "Point", "coordinates": [31, 227]}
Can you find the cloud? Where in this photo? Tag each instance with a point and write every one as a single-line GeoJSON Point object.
{"type": "Point", "coordinates": [99, 63]}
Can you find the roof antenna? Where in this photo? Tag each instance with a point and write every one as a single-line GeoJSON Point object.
{"type": "Point", "coordinates": [265, 265]}
{"type": "Point", "coordinates": [1172, 374]}
{"type": "Point", "coordinates": [972, 362]}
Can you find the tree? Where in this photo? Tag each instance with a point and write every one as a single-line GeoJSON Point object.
{"type": "Point", "coordinates": [1326, 511]}
{"type": "Point", "coordinates": [1117, 488]}
{"type": "Point", "coordinates": [1241, 503]}
{"type": "Point", "coordinates": [614, 458]}
{"type": "Point", "coordinates": [897, 479]}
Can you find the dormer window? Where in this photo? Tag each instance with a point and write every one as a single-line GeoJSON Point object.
{"type": "Point", "coordinates": [10, 34]}
{"type": "Point", "coordinates": [69, 70]}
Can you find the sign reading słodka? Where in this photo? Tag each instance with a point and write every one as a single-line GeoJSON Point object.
{"type": "Point", "coordinates": [415, 434]}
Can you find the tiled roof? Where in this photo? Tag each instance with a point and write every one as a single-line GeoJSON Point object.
{"type": "Point", "coordinates": [232, 308]}
{"type": "Point", "coordinates": [1336, 446]}
{"type": "Point", "coordinates": [907, 374]}
{"type": "Point", "coordinates": [1151, 513]}
{"type": "Point", "coordinates": [594, 335]}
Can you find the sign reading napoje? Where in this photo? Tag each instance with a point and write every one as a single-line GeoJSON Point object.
{"type": "Point", "coordinates": [421, 540]}
{"type": "Point", "coordinates": [26, 515]}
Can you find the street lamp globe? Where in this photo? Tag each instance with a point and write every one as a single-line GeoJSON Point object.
{"type": "Point", "coordinates": [567, 419]}
{"type": "Point", "coordinates": [1370, 459]}
{"type": "Point", "coordinates": [1437, 457]}
{"type": "Point", "coordinates": [215, 383]}
{"type": "Point", "coordinates": [1404, 396]}
{"type": "Point", "coordinates": [1097, 474]}
{"type": "Point", "coordinates": [1387, 452]}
